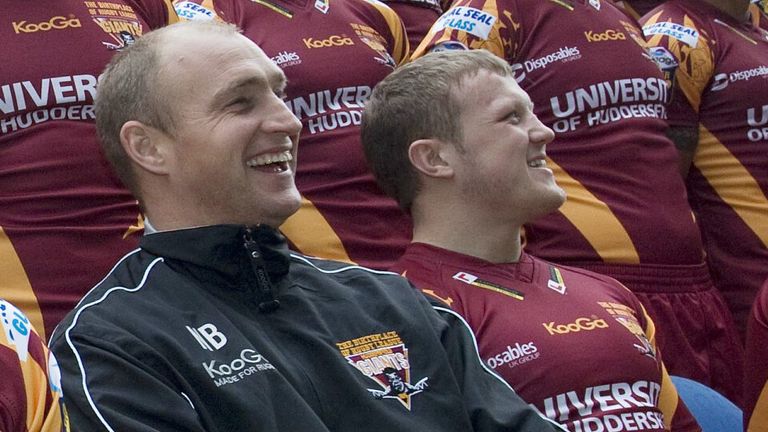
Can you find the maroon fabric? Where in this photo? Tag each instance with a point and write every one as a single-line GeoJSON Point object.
{"type": "Point", "coordinates": [64, 211]}
{"type": "Point", "coordinates": [682, 300]}
{"type": "Point", "coordinates": [724, 76]}
{"type": "Point", "coordinates": [574, 344]}
{"type": "Point", "coordinates": [756, 359]}
{"type": "Point", "coordinates": [417, 17]}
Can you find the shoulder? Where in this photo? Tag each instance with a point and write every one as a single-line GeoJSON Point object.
{"type": "Point", "coordinates": [108, 304]}
{"type": "Point", "coordinates": [349, 279]}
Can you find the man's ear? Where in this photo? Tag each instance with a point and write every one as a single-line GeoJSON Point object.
{"type": "Point", "coordinates": [146, 146]}
{"type": "Point", "coordinates": [430, 157]}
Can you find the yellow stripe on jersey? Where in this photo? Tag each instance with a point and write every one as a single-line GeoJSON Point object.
{"type": "Point", "coordinates": [313, 235]}
{"type": "Point", "coordinates": [401, 48]}
{"type": "Point", "coordinates": [37, 387]}
{"type": "Point", "coordinates": [732, 182]}
{"type": "Point", "coordinates": [172, 16]}
{"type": "Point", "coordinates": [493, 43]}
{"type": "Point", "coordinates": [668, 398]}
{"type": "Point", "coordinates": [759, 420]}
{"type": "Point", "coordinates": [696, 64]}
{"type": "Point", "coordinates": [608, 237]}
{"type": "Point", "coordinates": [40, 416]}
{"type": "Point", "coordinates": [15, 286]}
{"type": "Point", "coordinates": [133, 229]}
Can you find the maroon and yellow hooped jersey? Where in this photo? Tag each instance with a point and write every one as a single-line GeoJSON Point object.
{"type": "Point", "coordinates": [64, 217]}
{"type": "Point", "coordinates": [30, 394]}
{"type": "Point", "coordinates": [720, 69]}
{"type": "Point", "coordinates": [577, 345]}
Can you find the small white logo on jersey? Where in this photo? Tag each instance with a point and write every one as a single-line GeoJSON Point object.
{"type": "Point", "coordinates": [194, 12]}
{"type": "Point", "coordinates": [16, 327]}
{"type": "Point", "coordinates": [473, 21]}
{"type": "Point", "coordinates": [208, 336]}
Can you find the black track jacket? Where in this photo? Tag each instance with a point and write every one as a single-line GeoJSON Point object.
{"type": "Point", "coordinates": [220, 328]}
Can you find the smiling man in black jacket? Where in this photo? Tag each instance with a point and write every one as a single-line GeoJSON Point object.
{"type": "Point", "coordinates": [212, 324]}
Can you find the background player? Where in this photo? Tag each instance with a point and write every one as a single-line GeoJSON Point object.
{"type": "Point", "coordinates": [29, 399]}
{"type": "Point", "coordinates": [718, 56]}
{"type": "Point", "coordinates": [454, 139]}
{"type": "Point", "coordinates": [586, 69]}
{"type": "Point", "coordinates": [333, 53]}
{"type": "Point", "coordinates": [64, 217]}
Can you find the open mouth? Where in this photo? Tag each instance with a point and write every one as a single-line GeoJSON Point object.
{"type": "Point", "coordinates": [271, 163]}
{"type": "Point", "coordinates": [538, 163]}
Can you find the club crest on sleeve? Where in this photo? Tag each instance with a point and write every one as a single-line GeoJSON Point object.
{"type": "Point", "coordinates": [383, 357]}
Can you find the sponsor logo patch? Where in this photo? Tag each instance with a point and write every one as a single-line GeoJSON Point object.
{"type": "Point", "coordinates": [449, 46]}
{"type": "Point", "coordinates": [663, 58]}
{"type": "Point", "coordinates": [208, 336]}
{"type": "Point", "coordinates": [606, 36]}
{"type": "Point", "coordinates": [16, 328]}
{"type": "Point", "coordinates": [473, 280]}
{"type": "Point", "coordinates": [563, 54]}
{"type": "Point", "coordinates": [329, 42]}
{"type": "Point", "coordinates": [687, 35]}
{"type": "Point", "coordinates": [285, 59]}
{"type": "Point", "coordinates": [581, 324]}
{"type": "Point", "coordinates": [514, 355]}
{"type": "Point", "coordinates": [55, 23]}
{"type": "Point", "coordinates": [192, 11]}
{"type": "Point", "coordinates": [473, 21]}
{"type": "Point", "coordinates": [383, 357]}
{"type": "Point", "coordinates": [247, 363]}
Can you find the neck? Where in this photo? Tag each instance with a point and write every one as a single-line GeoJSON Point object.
{"type": "Point", "coordinates": [737, 9]}
{"type": "Point", "coordinates": [468, 232]}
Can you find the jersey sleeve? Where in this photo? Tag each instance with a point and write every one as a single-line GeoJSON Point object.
{"type": "Point", "coordinates": [30, 392]}
{"type": "Point", "coordinates": [475, 24]}
{"type": "Point", "coordinates": [397, 38]}
{"type": "Point", "coordinates": [157, 13]}
{"type": "Point", "coordinates": [490, 401]}
{"type": "Point", "coordinates": [136, 399]}
{"type": "Point", "coordinates": [684, 53]}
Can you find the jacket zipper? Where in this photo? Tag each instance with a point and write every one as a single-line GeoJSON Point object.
{"type": "Point", "coordinates": [265, 292]}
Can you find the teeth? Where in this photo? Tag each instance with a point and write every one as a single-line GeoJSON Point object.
{"type": "Point", "coordinates": [538, 163]}
{"type": "Point", "coordinates": [267, 159]}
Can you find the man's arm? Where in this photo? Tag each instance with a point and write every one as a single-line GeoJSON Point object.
{"type": "Point", "coordinates": [686, 140]}
{"type": "Point", "coordinates": [106, 387]}
{"type": "Point", "coordinates": [29, 399]}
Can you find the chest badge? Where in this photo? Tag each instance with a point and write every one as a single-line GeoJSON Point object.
{"type": "Point", "coordinates": [383, 357]}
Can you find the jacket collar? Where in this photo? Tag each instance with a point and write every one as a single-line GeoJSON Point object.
{"type": "Point", "coordinates": [220, 251]}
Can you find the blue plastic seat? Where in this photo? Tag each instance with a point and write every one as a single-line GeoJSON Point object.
{"type": "Point", "coordinates": [713, 411]}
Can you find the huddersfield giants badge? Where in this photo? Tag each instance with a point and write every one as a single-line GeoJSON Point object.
{"type": "Point", "coordinates": [118, 21]}
{"type": "Point", "coordinates": [383, 358]}
{"type": "Point", "coordinates": [626, 317]}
